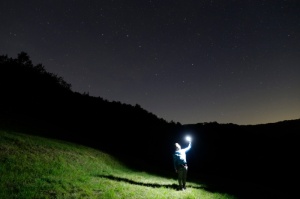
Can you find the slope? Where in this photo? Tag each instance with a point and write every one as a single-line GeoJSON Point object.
{"type": "Point", "coordinates": [36, 167]}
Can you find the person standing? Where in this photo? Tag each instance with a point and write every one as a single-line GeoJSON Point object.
{"type": "Point", "coordinates": [180, 164]}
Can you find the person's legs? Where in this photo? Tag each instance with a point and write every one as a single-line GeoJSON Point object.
{"type": "Point", "coordinates": [184, 174]}
{"type": "Point", "coordinates": [180, 177]}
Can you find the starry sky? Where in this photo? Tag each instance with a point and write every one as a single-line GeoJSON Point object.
{"type": "Point", "coordinates": [187, 61]}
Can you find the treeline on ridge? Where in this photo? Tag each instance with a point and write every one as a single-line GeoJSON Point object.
{"type": "Point", "coordinates": [33, 97]}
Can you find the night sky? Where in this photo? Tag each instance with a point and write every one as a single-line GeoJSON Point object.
{"type": "Point", "coordinates": [184, 61]}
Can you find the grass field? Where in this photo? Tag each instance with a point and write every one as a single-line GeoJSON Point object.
{"type": "Point", "coordinates": [36, 167]}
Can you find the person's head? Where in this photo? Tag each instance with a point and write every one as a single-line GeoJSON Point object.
{"type": "Point", "coordinates": [177, 147]}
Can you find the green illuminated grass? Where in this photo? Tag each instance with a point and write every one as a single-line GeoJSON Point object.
{"type": "Point", "coordinates": [35, 167]}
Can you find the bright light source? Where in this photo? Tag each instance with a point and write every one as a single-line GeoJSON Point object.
{"type": "Point", "coordinates": [188, 138]}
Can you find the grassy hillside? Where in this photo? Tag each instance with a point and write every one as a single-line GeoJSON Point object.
{"type": "Point", "coordinates": [35, 167]}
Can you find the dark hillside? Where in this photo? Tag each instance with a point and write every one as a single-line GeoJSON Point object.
{"type": "Point", "coordinates": [33, 98]}
{"type": "Point", "coordinates": [263, 156]}
{"type": "Point", "coordinates": [38, 102]}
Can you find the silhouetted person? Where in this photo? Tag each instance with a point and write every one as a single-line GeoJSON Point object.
{"type": "Point", "coordinates": [180, 164]}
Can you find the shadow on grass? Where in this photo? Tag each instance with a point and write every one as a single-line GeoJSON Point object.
{"type": "Point", "coordinates": [153, 185]}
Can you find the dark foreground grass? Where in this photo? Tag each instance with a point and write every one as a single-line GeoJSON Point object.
{"type": "Point", "coordinates": [35, 167]}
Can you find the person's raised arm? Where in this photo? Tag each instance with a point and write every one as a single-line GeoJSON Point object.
{"type": "Point", "coordinates": [189, 146]}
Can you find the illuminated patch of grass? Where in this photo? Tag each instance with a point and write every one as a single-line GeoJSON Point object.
{"type": "Point", "coordinates": [35, 167]}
